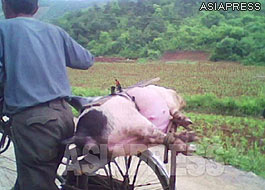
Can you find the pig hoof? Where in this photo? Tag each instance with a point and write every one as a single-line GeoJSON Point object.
{"type": "Point", "coordinates": [192, 148]}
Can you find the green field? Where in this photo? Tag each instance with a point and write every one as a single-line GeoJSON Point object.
{"type": "Point", "coordinates": [186, 77]}
{"type": "Point", "coordinates": [225, 100]}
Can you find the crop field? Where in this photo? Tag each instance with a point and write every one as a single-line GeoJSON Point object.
{"type": "Point", "coordinates": [186, 77]}
{"type": "Point", "coordinates": [225, 100]}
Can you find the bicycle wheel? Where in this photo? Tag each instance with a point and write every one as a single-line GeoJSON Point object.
{"type": "Point", "coordinates": [125, 173]}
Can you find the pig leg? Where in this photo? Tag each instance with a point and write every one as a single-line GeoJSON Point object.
{"type": "Point", "coordinates": [152, 136]}
{"type": "Point", "coordinates": [180, 119]}
{"type": "Point", "coordinates": [144, 131]}
{"type": "Point", "coordinates": [149, 134]}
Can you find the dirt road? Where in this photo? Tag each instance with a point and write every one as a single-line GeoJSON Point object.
{"type": "Point", "coordinates": [193, 173]}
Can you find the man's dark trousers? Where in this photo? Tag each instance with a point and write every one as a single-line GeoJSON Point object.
{"type": "Point", "coordinates": [37, 133]}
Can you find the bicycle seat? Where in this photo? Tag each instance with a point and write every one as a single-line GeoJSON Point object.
{"type": "Point", "coordinates": [79, 102]}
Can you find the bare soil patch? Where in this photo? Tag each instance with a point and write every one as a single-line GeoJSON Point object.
{"type": "Point", "coordinates": [169, 56]}
{"type": "Point", "coordinates": [186, 55]}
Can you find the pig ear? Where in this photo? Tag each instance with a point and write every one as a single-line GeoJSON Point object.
{"type": "Point", "coordinates": [69, 141]}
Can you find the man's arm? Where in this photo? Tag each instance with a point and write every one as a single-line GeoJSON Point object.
{"type": "Point", "coordinates": [76, 56]}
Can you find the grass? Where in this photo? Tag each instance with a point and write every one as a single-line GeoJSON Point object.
{"type": "Point", "coordinates": [80, 91]}
{"type": "Point", "coordinates": [223, 90]}
{"type": "Point", "coordinates": [241, 106]}
{"type": "Point", "coordinates": [238, 141]}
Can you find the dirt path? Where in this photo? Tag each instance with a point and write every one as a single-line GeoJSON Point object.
{"type": "Point", "coordinates": [7, 170]}
{"type": "Point", "coordinates": [193, 173]}
{"type": "Point", "coordinates": [197, 173]}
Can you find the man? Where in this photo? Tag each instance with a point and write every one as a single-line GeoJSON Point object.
{"type": "Point", "coordinates": [33, 60]}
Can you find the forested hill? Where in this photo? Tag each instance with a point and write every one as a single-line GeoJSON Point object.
{"type": "Point", "coordinates": [54, 9]}
{"type": "Point", "coordinates": [147, 28]}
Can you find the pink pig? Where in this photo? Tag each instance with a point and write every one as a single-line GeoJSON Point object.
{"type": "Point", "coordinates": [120, 122]}
{"type": "Point", "coordinates": [157, 104]}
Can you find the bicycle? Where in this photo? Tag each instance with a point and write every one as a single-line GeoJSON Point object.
{"type": "Point", "coordinates": [120, 173]}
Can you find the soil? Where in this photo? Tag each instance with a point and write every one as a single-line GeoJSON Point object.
{"type": "Point", "coordinates": [169, 56]}
{"type": "Point", "coordinates": [186, 55]}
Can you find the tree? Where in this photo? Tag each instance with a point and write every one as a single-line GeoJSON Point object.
{"type": "Point", "coordinates": [226, 50]}
{"type": "Point", "coordinates": [212, 18]}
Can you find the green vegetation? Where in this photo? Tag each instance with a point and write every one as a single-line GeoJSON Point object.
{"type": "Point", "coordinates": [223, 79]}
{"type": "Point", "coordinates": [208, 103]}
{"type": "Point", "coordinates": [140, 29]}
{"type": "Point", "coordinates": [79, 91]}
{"type": "Point", "coordinates": [238, 141]}
{"type": "Point", "coordinates": [242, 106]}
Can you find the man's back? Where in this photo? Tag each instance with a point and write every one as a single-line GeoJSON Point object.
{"type": "Point", "coordinates": [35, 57]}
{"type": "Point", "coordinates": [33, 60]}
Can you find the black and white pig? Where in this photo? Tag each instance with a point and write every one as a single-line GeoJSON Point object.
{"type": "Point", "coordinates": [139, 117]}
